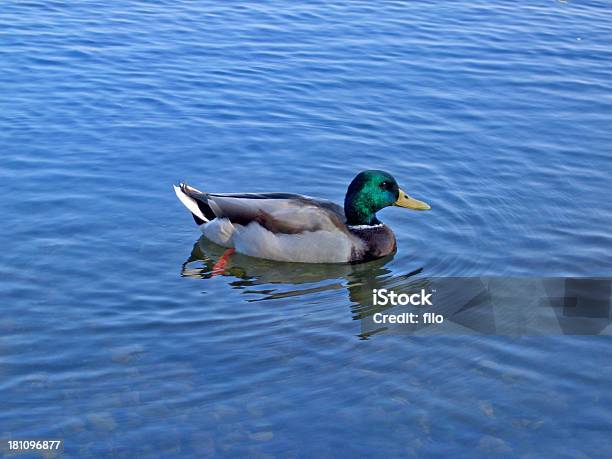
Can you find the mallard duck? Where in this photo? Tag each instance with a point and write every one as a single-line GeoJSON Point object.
{"type": "Point", "coordinates": [292, 227]}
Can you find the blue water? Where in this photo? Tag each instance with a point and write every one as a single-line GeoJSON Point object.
{"type": "Point", "coordinates": [497, 114]}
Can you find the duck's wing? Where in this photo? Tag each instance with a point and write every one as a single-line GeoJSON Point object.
{"type": "Point", "coordinates": [277, 212]}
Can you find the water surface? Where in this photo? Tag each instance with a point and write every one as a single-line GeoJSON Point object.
{"type": "Point", "coordinates": [497, 114]}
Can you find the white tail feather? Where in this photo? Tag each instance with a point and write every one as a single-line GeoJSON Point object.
{"type": "Point", "coordinates": [190, 203]}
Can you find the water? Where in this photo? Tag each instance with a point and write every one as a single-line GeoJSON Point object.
{"type": "Point", "coordinates": [498, 115]}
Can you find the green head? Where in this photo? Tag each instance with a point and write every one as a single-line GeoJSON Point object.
{"type": "Point", "coordinates": [371, 191]}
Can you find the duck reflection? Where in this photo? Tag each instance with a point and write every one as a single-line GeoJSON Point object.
{"type": "Point", "coordinates": [209, 260]}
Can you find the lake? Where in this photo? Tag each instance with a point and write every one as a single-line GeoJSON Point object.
{"type": "Point", "coordinates": [118, 334]}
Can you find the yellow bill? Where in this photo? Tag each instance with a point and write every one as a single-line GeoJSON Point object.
{"type": "Point", "coordinates": [410, 203]}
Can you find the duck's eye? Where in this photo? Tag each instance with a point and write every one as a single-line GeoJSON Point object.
{"type": "Point", "coordinates": [385, 185]}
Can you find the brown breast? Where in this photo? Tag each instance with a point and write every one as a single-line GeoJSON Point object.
{"type": "Point", "coordinates": [378, 240]}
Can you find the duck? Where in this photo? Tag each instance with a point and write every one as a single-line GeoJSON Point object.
{"type": "Point", "coordinates": [295, 228]}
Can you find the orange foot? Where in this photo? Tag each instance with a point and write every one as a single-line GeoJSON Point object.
{"type": "Point", "coordinates": [219, 266]}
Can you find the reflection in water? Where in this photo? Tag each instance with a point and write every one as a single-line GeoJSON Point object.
{"type": "Point", "coordinates": [208, 260]}
{"type": "Point", "coordinates": [502, 306]}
